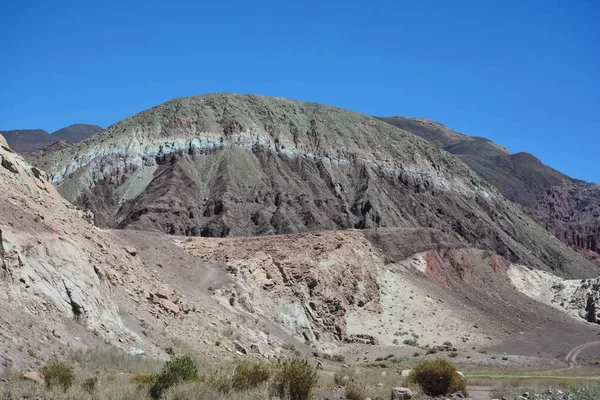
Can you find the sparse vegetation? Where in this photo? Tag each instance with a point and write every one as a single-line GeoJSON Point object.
{"type": "Point", "coordinates": [410, 342]}
{"type": "Point", "coordinates": [180, 369]}
{"type": "Point", "coordinates": [248, 375]}
{"type": "Point", "coordinates": [89, 385]}
{"type": "Point", "coordinates": [295, 378]}
{"type": "Point", "coordinates": [58, 374]}
{"type": "Point", "coordinates": [355, 391]}
{"type": "Point", "coordinates": [437, 378]}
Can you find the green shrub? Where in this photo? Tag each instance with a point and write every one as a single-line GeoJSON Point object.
{"type": "Point", "coordinates": [57, 373]}
{"type": "Point", "coordinates": [89, 385]}
{"type": "Point", "coordinates": [355, 391]}
{"type": "Point", "coordinates": [179, 369]}
{"type": "Point", "coordinates": [295, 379]}
{"type": "Point", "coordinates": [437, 378]}
{"type": "Point", "coordinates": [248, 375]}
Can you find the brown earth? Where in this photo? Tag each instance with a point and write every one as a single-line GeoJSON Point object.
{"type": "Point", "coordinates": [567, 207]}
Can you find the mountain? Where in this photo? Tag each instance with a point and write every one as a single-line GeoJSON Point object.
{"type": "Point", "coordinates": [567, 207]}
{"type": "Point", "coordinates": [67, 285]}
{"type": "Point", "coordinates": [29, 140]}
{"type": "Point", "coordinates": [238, 165]}
{"type": "Point", "coordinates": [76, 133]}
{"type": "Point", "coordinates": [24, 140]}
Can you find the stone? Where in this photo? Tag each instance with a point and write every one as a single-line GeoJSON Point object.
{"type": "Point", "coordinates": [401, 393]}
{"type": "Point", "coordinates": [239, 347]}
{"type": "Point", "coordinates": [34, 376]}
{"type": "Point", "coordinates": [380, 385]}
{"type": "Point", "coordinates": [164, 293]}
{"type": "Point", "coordinates": [9, 165]}
{"type": "Point", "coordinates": [169, 306]}
{"type": "Point", "coordinates": [460, 374]}
{"type": "Point", "coordinates": [406, 373]}
{"type": "Point", "coordinates": [344, 380]}
{"type": "Point", "coordinates": [132, 251]}
{"type": "Point", "coordinates": [134, 351]}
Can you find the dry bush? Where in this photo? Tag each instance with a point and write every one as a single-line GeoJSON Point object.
{"type": "Point", "coordinates": [248, 374]}
{"type": "Point", "coordinates": [57, 373]}
{"type": "Point", "coordinates": [143, 380]}
{"type": "Point", "coordinates": [89, 385]}
{"type": "Point", "coordinates": [437, 378]}
{"type": "Point", "coordinates": [355, 392]}
{"type": "Point", "coordinates": [295, 378]}
{"type": "Point", "coordinates": [113, 359]}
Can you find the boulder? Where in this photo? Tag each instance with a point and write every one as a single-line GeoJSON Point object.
{"type": "Point", "coordinates": [34, 376]}
{"type": "Point", "coordinates": [169, 306]}
{"type": "Point", "coordinates": [401, 393]}
{"type": "Point", "coordinates": [239, 348]}
{"type": "Point", "coordinates": [9, 165]}
{"type": "Point", "coordinates": [132, 251]}
{"type": "Point", "coordinates": [406, 373]}
{"type": "Point", "coordinates": [165, 293]}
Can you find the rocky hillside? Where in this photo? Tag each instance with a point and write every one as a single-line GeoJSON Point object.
{"type": "Point", "coordinates": [65, 284]}
{"type": "Point", "coordinates": [219, 165]}
{"type": "Point", "coordinates": [567, 207]}
{"type": "Point", "coordinates": [31, 140]}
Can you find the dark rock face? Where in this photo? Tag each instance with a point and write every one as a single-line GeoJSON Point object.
{"type": "Point", "coordinates": [221, 165]}
{"type": "Point", "coordinates": [566, 207]}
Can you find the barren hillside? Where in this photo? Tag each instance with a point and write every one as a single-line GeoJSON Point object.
{"type": "Point", "coordinates": [237, 165]}
{"type": "Point", "coordinates": [567, 207]}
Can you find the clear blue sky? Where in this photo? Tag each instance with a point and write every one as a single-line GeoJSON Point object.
{"type": "Point", "coordinates": [525, 74]}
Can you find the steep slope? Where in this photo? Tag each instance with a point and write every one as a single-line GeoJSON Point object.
{"type": "Point", "coordinates": [30, 140]}
{"type": "Point", "coordinates": [567, 207]}
{"type": "Point", "coordinates": [65, 284]}
{"type": "Point", "coordinates": [219, 165]}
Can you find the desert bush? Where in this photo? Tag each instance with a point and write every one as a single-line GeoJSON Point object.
{"type": "Point", "coordinates": [178, 370]}
{"type": "Point", "coordinates": [57, 373]}
{"type": "Point", "coordinates": [248, 375]}
{"type": "Point", "coordinates": [295, 379]}
{"type": "Point", "coordinates": [437, 378]}
{"type": "Point", "coordinates": [340, 378]}
{"type": "Point", "coordinates": [355, 391]}
{"type": "Point", "coordinates": [143, 380]}
{"type": "Point", "coordinates": [410, 342]}
{"type": "Point", "coordinates": [453, 354]}
{"type": "Point", "coordinates": [89, 385]}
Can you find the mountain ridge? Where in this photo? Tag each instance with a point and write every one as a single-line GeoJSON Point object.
{"type": "Point", "coordinates": [226, 164]}
{"type": "Point", "coordinates": [566, 206]}
{"type": "Point", "coordinates": [30, 140]}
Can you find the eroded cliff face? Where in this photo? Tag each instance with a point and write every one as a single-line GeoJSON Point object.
{"type": "Point", "coordinates": [234, 165]}
{"type": "Point", "coordinates": [53, 271]}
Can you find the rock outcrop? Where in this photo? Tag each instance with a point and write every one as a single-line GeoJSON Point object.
{"type": "Point", "coordinates": [234, 165]}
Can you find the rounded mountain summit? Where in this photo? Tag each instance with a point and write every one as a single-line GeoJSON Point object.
{"type": "Point", "coordinates": [228, 164]}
